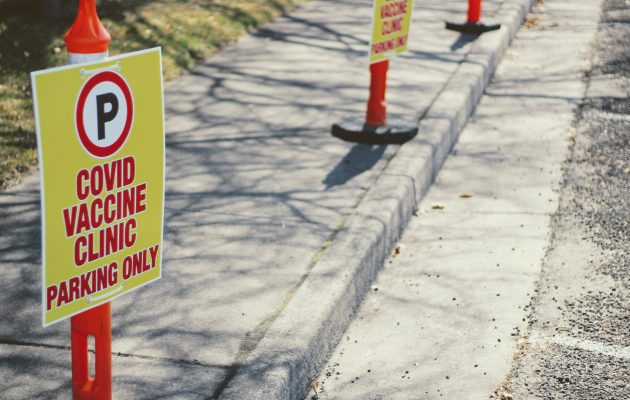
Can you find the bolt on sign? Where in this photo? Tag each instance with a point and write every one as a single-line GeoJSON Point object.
{"type": "Point", "coordinates": [390, 29]}
{"type": "Point", "coordinates": [100, 132]}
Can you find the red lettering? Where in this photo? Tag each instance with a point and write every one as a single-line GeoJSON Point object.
{"type": "Point", "coordinates": [391, 26]}
{"type": "Point", "coordinates": [86, 289]}
{"type": "Point", "coordinates": [70, 220]}
{"type": "Point", "coordinates": [130, 235]}
{"type": "Point", "coordinates": [96, 218]}
{"type": "Point", "coordinates": [127, 268]}
{"type": "Point", "coordinates": [137, 263]}
{"type": "Point", "coordinates": [388, 45]}
{"type": "Point", "coordinates": [82, 189]}
{"type": "Point", "coordinates": [141, 197]}
{"type": "Point", "coordinates": [107, 176]}
{"type": "Point", "coordinates": [146, 265]}
{"type": "Point", "coordinates": [109, 171]}
{"type": "Point", "coordinates": [96, 180]}
{"type": "Point", "coordinates": [109, 238]}
{"type": "Point", "coordinates": [51, 294]}
{"type": "Point", "coordinates": [83, 223]}
{"type": "Point", "coordinates": [129, 171]}
{"type": "Point", "coordinates": [63, 294]}
{"type": "Point", "coordinates": [113, 274]}
{"type": "Point", "coordinates": [74, 289]}
{"type": "Point", "coordinates": [81, 286]}
{"type": "Point", "coordinates": [87, 216]}
{"type": "Point", "coordinates": [153, 251]}
{"type": "Point", "coordinates": [394, 9]}
{"type": "Point", "coordinates": [128, 203]}
{"type": "Point", "coordinates": [101, 279]}
{"type": "Point", "coordinates": [93, 254]}
{"type": "Point", "coordinates": [109, 208]}
{"type": "Point", "coordinates": [80, 257]}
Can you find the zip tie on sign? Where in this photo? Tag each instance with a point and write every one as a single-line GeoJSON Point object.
{"type": "Point", "coordinates": [86, 72]}
{"type": "Point", "coordinates": [103, 296]}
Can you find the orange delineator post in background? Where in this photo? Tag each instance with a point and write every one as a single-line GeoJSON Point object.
{"type": "Point", "coordinates": [374, 129]}
{"type": "Point", "coordinates": [377, 105]}
{"type": "Point", "coordinates": [97, 323]}
{"type": "Point", "coordinates": [474, 10]}
{"type": "Point", "coordinates": [87, 40]}
{"type": "Point", "coordinates": [377, 127]}
{"type": "Point", "coordinates": [472, 24]}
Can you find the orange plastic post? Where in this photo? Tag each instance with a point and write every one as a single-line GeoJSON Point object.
{"type": "Point", "coordinates": [377, 106]}
{"type": "Point", "coordinates": [97, 323]}
{"type": "Point", "coordinates": [87, 35]}
{"type": "Point", "coordinates": [474, 10]}
{"type": "Point", "coordinates": [87, 40]}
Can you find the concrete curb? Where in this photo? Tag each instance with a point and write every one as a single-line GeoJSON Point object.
{"type": "Point", "coordinates": [300, 341]}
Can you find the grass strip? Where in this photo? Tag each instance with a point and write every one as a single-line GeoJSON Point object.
{"type": "Point", "coordinates": [188, 31]}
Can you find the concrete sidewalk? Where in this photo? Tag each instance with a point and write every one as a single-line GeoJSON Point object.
{"type": "Point", "coordinates": [261, 201]}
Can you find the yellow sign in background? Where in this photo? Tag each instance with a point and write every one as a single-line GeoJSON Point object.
{"type": "Point", "coordinates": [390, 28]}
{"type": "Point", "coordinates": [102, 207]}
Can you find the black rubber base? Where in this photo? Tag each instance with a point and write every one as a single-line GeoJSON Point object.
{"type": "Point", "coordinates": [397, 133]}
{"type": "Point", "coordinates": [472, 27]}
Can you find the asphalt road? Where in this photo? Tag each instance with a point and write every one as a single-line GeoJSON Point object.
{"type": "Point", "coordinates": [579, 334]}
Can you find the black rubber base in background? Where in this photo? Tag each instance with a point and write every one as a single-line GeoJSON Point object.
{"type": "Point", "coordinates": [472, 27]}
{"type": "Point", "coordinates": [395, 132]}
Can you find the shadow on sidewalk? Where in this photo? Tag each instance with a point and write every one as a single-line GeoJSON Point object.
{"type": "Point", "coordinates": [361, 158]}
{"type": "Point", "coordinates": [463, 40]}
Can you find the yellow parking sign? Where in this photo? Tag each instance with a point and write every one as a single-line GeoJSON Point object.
{"type": "Point", "coordinates": [100, 132]}
{"type": "Point", "coordinates": [390, 28]}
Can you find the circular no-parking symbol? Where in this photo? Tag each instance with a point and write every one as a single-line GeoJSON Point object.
{"type": "Point", "coordinates": [104, 114]}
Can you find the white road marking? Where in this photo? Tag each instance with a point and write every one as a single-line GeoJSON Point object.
{"type": "Point", "coordinates": [608, 116]}
{"type": "Point", "coordinates": [612, 350]}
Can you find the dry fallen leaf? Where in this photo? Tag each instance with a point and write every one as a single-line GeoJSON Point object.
{"type": "Point", "coordinates": [465, 195]}
{"type": "Point", "coordinates": [502, 394]}
{"type": "Point", "coordinates": [509, 55]}
{"type": "Point", "coordinates": [531, 22]}
{"type": "Point", "coordinates": [437, 206]}
{"type": "Point", "coordinates": [315, 385]}
{"type": "Point", "coordinates": [396, 251]}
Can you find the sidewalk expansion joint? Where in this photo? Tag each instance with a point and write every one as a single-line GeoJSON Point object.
{"type": "Point", "coordinates": [241, 138]}
{"type": "Point", "coordinates": [11, 342]}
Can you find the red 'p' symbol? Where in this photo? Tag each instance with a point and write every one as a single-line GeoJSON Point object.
{"type": "Point", "coordinates": [104, 114]}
